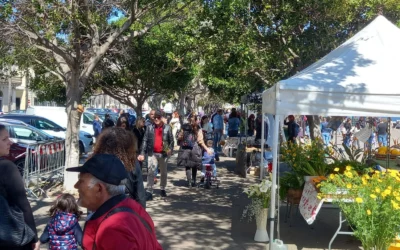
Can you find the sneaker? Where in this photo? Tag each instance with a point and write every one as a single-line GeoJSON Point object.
{"type": "Point", "coordinates": [193, 183]}
{"type": "Point", "coordinates": [202, 180]}
{"type": "Point", "coordinates": [149, 196]}
{"type": "Point", "coordinates": [163, 193]}
{"type": "Point", "coordinates": [155, 180]}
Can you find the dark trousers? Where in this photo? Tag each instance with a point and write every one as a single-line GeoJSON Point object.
{"type": "Point", "coordinates": [194, 173]}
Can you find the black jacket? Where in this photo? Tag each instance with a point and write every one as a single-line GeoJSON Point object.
{"type": "Point", "coordinates": [134, 185]}
{"type": "Point", "coordinates": [12, 188]}
{"type": "Point", "coordinates": [148, 139]}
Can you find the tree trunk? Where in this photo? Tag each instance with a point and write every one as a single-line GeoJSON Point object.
{"type": "Point", "coordinates": [315, 126]}
{"type": "Point", "coordinates": [138, 107]}
{"type": "Point", "coordinates": [182, 100]}
{"type": "Point", "coordinates": [74, 97]}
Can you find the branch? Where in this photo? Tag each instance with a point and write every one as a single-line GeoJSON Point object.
{"type": "Point", "coordinates": [46, 44]}
{"type": "Point", "coordinates": [57, 74]}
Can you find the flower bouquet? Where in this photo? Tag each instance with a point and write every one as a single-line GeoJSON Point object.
{"type": "Point", "coordinates": [370, 202]}
{"type": "Point", "coordinates": [260, 195]}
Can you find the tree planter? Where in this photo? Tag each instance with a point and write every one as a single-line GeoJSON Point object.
{"type": "Point", "coordinates": [261, 220]}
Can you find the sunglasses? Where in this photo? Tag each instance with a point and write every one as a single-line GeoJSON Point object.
{"type": "Point", "coordinates": [158, 118]}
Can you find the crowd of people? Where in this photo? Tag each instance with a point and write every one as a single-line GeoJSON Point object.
{"type": "Point", "coordinates": [347, 129]}
{"type": "Point", "coordinates": [110, 183]}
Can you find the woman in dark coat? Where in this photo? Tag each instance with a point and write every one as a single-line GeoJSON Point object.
{"type": "Point", "coordinates": [122, 143]}
{"type": "Point", "coordinates": [13, 190]}
{"type": "Point", "coordinates": [139, 131]}
{"type": "Point", "coordinates": [189, 135]}
{"type": "Point", "coordinates": [251, 125]}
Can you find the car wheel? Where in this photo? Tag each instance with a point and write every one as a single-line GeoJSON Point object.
{"type": "Point", "coordinates": [81, 148]}
{"type": "Point", "coordinates": [21, 165]}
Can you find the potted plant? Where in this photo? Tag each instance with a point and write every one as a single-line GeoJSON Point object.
{"type": "Point", "coordinates": [260, 195]}
{"type": "Point", "coordinates": [307, 160]}
{"type": "Point", "coordinates": [370, 202]}
{"type": "Point", "coordinates": [291, 186]}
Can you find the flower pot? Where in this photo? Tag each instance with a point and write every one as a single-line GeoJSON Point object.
{"type": "Point", "coordinates": [294, 195]}
{"type": "Point", "coordinates": [261, 220]}
{"type": "Point", "coordinates": [309, 178]}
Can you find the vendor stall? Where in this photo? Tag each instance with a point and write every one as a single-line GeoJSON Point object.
{"type": "Point", "coordinates": [359, 78]}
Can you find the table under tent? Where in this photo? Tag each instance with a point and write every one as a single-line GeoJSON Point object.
{"type": "Point", "coordinates": [359, 78]}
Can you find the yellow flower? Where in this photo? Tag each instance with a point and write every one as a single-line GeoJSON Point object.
{"type": "Point", "coordinates": [366, 177]}
{"type": "Point", "coordinates": [336, 170]}
{"type": "Point", "coordinates": [383, 194]}
{"type": "Point", "coordinates": [377, 190]}
{"type": "Point", "coordinates": [348, 168]}
{"type": "Point", "coordinates": [348, 185]}
{"type": "Point", "coordinates": [390, 187]}
{"type": "Point", "coordinates": [369, 212]}
{"type": "Point", "coordinates": [387, 191]}
{"type": "Point", "coordinates": [395, 205]}
{"type": "Point", "coordinates": [348, 174]}
{"type": "Point", "coordinates": [319, 197]}
{"type": "Point", "coordinates": [359, 200]}
{"type": "Point", "coordinates": [332, 176]}
{"type": "Point", "coordinates": [392, 173]}
{"type": "Point", "coordinates": [398, 198]}
{"type": "Point", "coordinates": [372, 196]}
{"type": "Point", "coordinates": [294, 165]}
{"type": "Point", "coordinates": [379, 180]}
{"type": "Point", "coordinates": [364, 181]}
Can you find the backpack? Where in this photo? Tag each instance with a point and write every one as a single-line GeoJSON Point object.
{"type": "Point", "coordinates": [186, 137]}
{"type": "Point", "coordinates": [296, 129]}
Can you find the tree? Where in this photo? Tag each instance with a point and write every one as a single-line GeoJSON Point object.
{"type": "Point", "coordinates": [69, 38]}
{"type": "Point", "coordinates": [249, 45]}
{"type": "Point", "coordinates": [143, 68]}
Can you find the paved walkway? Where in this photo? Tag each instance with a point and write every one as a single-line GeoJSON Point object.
{"type": "Point", "coordinates": [211, 219]}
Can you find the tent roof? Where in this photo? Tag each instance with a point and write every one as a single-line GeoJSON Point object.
{"type": "Point", "coordinates": [360, 77]}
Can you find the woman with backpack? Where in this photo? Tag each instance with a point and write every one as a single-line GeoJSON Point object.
{"type": "Point", "coordinates": [191, 142]}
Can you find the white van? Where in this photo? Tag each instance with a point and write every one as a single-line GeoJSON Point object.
{"type": "Point", "coordinates": [59, 116]}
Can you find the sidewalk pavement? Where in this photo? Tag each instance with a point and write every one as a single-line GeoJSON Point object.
{"type": "Point", "coordinates": [198, 218]}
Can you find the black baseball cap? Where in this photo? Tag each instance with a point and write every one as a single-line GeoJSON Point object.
{"type": "Point", "coordinates": [105, 167]}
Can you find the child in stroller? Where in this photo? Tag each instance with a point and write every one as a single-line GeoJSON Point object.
{"type": "Point", "coordinates": [209, 169]}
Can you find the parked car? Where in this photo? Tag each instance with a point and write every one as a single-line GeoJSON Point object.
{"type": "Point", "coordinates": [23, 136]}
{"type": "Point", "coordinates": [51, 128]}
{"type": "Point", "coordinates": [113, 116]}
{"type": "Point", "coordinates": [17, 111]}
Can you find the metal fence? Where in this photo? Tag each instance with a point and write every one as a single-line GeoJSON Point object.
{"type": "Point", "coordinates": [44, 166]}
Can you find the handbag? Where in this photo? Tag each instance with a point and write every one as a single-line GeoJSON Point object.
{"type": "Point", "coordinates": [196, 155]}
{"type": "Point", "coordinates": [14, 231]}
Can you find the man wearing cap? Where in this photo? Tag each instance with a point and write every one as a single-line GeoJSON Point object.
{"type": "Point", "coordinates": [118, 221]}
{"type": "Point", "coordinates": [158, 143]}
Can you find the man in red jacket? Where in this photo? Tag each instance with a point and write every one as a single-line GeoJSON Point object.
{"type": "Point", "coordinates": [118, 222]}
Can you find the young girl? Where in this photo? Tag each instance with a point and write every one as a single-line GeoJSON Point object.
{"type": "Point", "coordinates": [63, 232]}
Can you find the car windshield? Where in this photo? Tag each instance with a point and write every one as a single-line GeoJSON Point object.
{"type": "Point", "coordinates": [21, 131]}
{"type": "Point", "coordinates": [88, 118]}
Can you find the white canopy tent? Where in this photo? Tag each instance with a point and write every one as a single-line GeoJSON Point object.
{"type": "Point", "coordinates": [359, 78]}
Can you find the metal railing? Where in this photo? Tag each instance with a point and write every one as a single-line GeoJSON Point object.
{"type": "Point", "coordinates": [44, 166]}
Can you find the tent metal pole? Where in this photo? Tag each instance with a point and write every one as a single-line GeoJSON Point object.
{"type": "Point", "coordinates": [262, 169]}
{"type": "Point", "coordinates": [275, 145]}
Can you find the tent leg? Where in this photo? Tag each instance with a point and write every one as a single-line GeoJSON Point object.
{"type": "Point", "coordinates": [275, 145]}
{"type": "Point", "coordinates": [262, 169]}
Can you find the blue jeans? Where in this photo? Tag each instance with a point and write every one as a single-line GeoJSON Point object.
{"type": "Point", "coordinates": [203, 170]}
{"type": "Point", "coordinates": [382, 139]}
{"type": "Point", "coordinates": [327, 138]}
{"type": "Point", "coordinates": [217, 139]}
{"type": "Point", "coordinates": [346, 140]}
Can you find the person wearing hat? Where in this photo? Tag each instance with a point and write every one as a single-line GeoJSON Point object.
{"type": "Point", "coordinates": [158, 143]}
{"type": "Point", "coordinates": [108, 122]}
{"type": "Point", "coordinates": [292, 125]}
{"type": "Point", "coordinates": [118, 222]}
